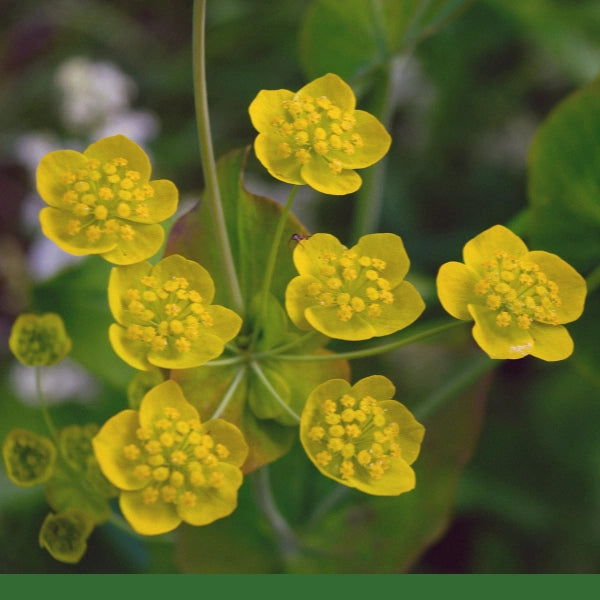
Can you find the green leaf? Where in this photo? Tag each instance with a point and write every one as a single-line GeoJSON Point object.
{"type": "Point", "coordinates": [564, 180]}
{"type": "Point", "coordinates": [353, 37]}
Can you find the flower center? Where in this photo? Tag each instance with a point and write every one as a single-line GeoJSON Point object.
{"type": "Point", "coordinates": [352, 283]}
{"type": "Point", "coordinates": [518, 292]}
{"type": "Point", "coordinates": [314, 127]}
{"type": "Point", "coordinates": [166, 315]}
{"type": "Point", "coordinates": [102, 196]}
{"type": "Point", "coordinates": [356, 438]}
{"type": "Point", "coordinates": [175, 459]}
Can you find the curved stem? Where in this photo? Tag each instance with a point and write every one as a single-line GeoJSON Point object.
{"type": "Point", "coordinates": [462, 380]}
{"type": "Point", "coordinates": [229, 393]}
{"type": "Point", "coordinates": [286, 539]}
{"type": "Point", "coordinates": [593, 280]}
{"type": "Point", "coordinates": [211, 182]}
{"type": "Point", "coordinates": [44, 406]}
{"type": "Point", "coordinates": [270, 268]}
{"type": "Point", "coordinates": [375, 350]}
{"type": "Point", "coordinates": [260, 374]}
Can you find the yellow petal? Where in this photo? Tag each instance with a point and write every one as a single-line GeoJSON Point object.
{"type": "Point", "coordinates": [267, 105]}
{"type": "Point", "coordinates": [376, 142]}
{"type": "Point", "coordinates": [119, 146]}
{"type": "Point", "coordinates": [228, 434]}
{"type": "Point", "coordinates": [483, 246]}
{"type": "Point", "coordinates": [146, 242]}
{"type": "Point", "coordinates": [165, 395]}
{"type": "Point", "coordinates": [308, 255]}
{"type": "Point", "coordinates": [117, 433]}
{"type": "Point", "coordinates": [287, 169]}
{"type": "Point", "coordinates": [319, 176]}
{"type": "Point", "coordinates": [198, 277]}
{"type": "Point", "coordinates": [551, 342]}
{"type": "Point", "coordinates": [55, 223]}
{"type": "Point", "coordinates": [148, 519]}
{"type": "Point", "coordinates": [50, 170]}
{"type": "Point", "coordinates": [499, 342]}
{"type": "Point", "coordinates": [388, 247]}
{"type": "Point", "coordinates": [332, 86]}
{"type": "Point", "coordinates": [572, 287]}
{"type": "Point", "coordinates": [214, 503]}
{"type": "Point", "coordinates": [455, 288]}
{"type": "Point", "coordinates": [133, 352]}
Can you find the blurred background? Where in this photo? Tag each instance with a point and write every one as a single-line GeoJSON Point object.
{"type": "Point", "coordinates": [468, 101]}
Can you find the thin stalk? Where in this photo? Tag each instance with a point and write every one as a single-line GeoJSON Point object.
{"type": "Point", "coordinates": [593, 280]}
{"type": "Point", "coordinates": [375, 350]}
{"type": "Point", "coordinates": [270, 268]}
{"type": "Point", "coordinates": [44, 405]}
{"type": "Point", "coordinates": [461, 381]}
{"type": "Point", "coordinates": [229, 393]}
{"type": "Point", "coordinates": [369, 199]}
{"type": "Point", "coordinates": [286, 539]}
{"type": "Point", "coordinates": [207, 157]}
{"type": "Point", "coordinates": [263, 378]}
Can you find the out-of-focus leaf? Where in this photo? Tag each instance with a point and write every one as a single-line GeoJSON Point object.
{"type": "Point", "coordinates": [564, 180]}
{"type": "Point", "coordinates": [355, 36]}
{"type": "Point", "coordinates": [234, 545]}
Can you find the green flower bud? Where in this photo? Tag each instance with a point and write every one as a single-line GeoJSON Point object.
{"type": "Point", "coordinates": [39, 339]}
{"type": "Point", "coordinates": [29, 457]}
{"type": "Point", "coordinates": [65, 534]}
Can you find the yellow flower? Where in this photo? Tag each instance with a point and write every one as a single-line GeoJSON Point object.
{"type": "Point", "coordinates": [102, 202]}
{"type": "Point", "coordinates": [169, 466]}
{"type": "Point", "coordinates": [360, 437]}
{"type": "Point", "coordinates": [517, 298]}
{"type": "Point", "coordinates": [38, 340]}
{"type": "Point", "coordinates": [164, 315]}
{"type": "Point", "coordinates": [315, 136]}
{"type": "Point", "coordinates": [352, 294]}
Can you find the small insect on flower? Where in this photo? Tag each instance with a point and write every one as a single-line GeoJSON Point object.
{"type": "Point", "coordinates": [297, 237]}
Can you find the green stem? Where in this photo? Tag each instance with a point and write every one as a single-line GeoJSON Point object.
{"type": "Point", "coordinates": [451, 388]}
{"type": "Point", "coordinates": [593, 280]}
{"type": "Point", "coordinates": [213, 195]}
{"type": "Point", "coordinates": [44, 406]}
{"type": "Point", "coordinates": [270, 268]}
{"type": "Point", "coordinates": [265, 381]}
{"type": "Point", "coordinates": [369, 199]}
{"type": "Point", "coordinates": [229, 393]}
{"type": "Point", "coordinates": [375, 350]}
{"type": "Point", "coordinates": [286, 539]}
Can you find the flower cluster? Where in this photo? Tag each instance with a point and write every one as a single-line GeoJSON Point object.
{"type": "Point", "coordinates": [169, 466]}
{"type": "Point", "coordinates": [102, 201]}
{"type": "Point", "coordinates": [164, 314]}
{"type": "Point", "coordinates": [352, 294]}
{"type": "Point", "coordinates": [360, 437]}
{"type": "Point", "coordinates": [315, 136]}
{"type": "Point", "coordinates": [518, 298]}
